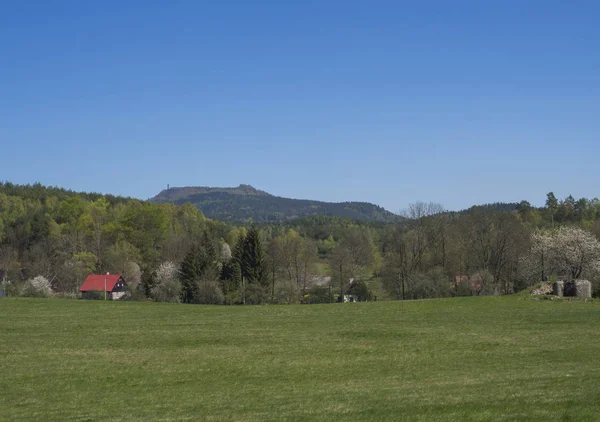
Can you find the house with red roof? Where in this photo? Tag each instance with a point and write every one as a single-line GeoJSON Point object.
{"type": "Point", "coordinates": [95, 285]}
{"type": "Point", "coordinates": [476, 281]}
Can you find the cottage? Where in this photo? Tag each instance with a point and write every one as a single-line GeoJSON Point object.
{"type": "Point", "coordinates": [476, 281]}
{"type": "Point", "coordinates": [95, 286]}
{"type": "Point", "coordinates": [350, 295]}
{"type": "Point", "coordinates": [350, 298]}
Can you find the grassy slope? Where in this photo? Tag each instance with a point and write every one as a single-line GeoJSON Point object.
{"type": "Point", "coordinates": [461, 359]}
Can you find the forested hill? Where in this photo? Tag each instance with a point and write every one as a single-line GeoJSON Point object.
{"type": "Point", "coordinates": [245, 203]}
{"type": "Point", "coordinates": [495, 207]}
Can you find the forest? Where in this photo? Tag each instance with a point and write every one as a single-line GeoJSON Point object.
{"type": "Point", "coordinates": [52, 238]}
{"type": "Point", "coordinates": [246, 204]}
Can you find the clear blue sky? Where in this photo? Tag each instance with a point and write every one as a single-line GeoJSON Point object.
{"type": "Point", "coordinates": [457, 102]}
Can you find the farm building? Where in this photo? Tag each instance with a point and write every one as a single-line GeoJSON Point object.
{"type": "Point", "coordinates": [95, 285]}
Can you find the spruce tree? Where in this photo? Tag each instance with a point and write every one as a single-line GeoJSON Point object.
{"type": "Point", "coordinates": [253, 259]}
{"type": "Point", "coordinates": [199, 264]}
{"type": "Point", "coordinates": [190, 274]}
{"type": "Point", "coordinates": [236, 261]}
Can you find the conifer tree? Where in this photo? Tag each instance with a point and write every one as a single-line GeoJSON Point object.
{"type": "Point", "coordinates": [199, 264]}
{"type": "Point", "coordinates": [253, 259]}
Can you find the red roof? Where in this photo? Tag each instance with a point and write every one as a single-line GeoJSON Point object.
{"type": "Point", "coordinates": [96, 282]}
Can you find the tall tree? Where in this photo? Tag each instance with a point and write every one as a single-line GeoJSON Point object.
{"type": "Point", "coordinates": [575, 251]}
{"type": "Point", "coordinates": [354, 253]}
{"type": "Point", "coordinates": [551, 204]}
{"type": "Point", "coordinates": [411, 240]}
{"type": "Point", "coordinates": [274, 261]}
{"type": "Point", "coordinates": [298, 255]}
{"type": "Point", "coordinates": [494, 241]}
{"type": "Point", "coordinates": [253, 259]}
{"type": "Point", "coordinates": [199, 265]}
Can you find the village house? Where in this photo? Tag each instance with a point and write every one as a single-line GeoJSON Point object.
{"type": "Point", "coordinates": [349, 294]}
{"type": "Point", "coordinates": [95, 286]}
{"type": "Point", "coordinates": [475, 281]}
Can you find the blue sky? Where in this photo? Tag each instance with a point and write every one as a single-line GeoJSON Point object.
{"type": "Point", "coordinates": [391, 102]}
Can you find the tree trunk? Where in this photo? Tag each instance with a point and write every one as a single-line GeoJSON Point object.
{"type": "Point", "coordinates": [341, 284]}
{"type": "Point", "coordinates": [273, 288]}
{"type": "Point", "coordinates": [543, 269]}
{"type": "Point", "coordinates": [403, 288]}
{"type": "Point", "coordinates": [243, 290]}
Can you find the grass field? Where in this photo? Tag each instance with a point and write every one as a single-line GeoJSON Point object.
{"type": "Point", "coordinates": [483, 359]}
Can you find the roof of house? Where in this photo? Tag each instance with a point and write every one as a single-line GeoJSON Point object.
{"type": "Point", "coordinates": [475, 280]}
{"type": "Point", "coordinates": [320, 280]}
{"type": "Point", "coordinates": [96, 282]}
{"type": "Point", "coordinates": [348, 288]}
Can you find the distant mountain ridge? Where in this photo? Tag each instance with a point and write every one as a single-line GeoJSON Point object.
{"type": "Point", "coordinates": [492, 207]}
{"type": "Point", "coordinates": [178, 193]}
{"type": "Point", "coordinates": [246, 203]}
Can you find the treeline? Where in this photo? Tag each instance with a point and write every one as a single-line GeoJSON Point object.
{"type": "Point", "coordinates": [65, 236]}
{"type": "Point", "coordinates": [174, 253]}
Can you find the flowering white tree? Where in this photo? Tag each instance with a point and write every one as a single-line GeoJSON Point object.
{"type": "Point", "coordinates": [537, 264]}
{"type": "Point", "coordinates": [37, 287]}
{"type": "Point", "coordinates": [571, 249]}
{"type": "Point", "coordinates": [225, 252]}
{"type": "Point", "coordinates": [168, 286]}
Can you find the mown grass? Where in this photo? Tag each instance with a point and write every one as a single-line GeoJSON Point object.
{"type": "Point", "coordinates": [483, 359]}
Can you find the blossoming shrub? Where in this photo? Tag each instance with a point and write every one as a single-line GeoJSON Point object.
{"type": "Point", "coordinates": [37, 287]}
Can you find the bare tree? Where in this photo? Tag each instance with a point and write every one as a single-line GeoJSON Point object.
{"type": "Point", "coordinates": [405, 257]}
{"type": "Point", "coordinates": [494, 241]}
{"type": "Point", "coordinates": [540, 252]}
{"type": "Point", "coordinates": [352, 254]}
{"type": "Point", "coordinates": [274, 261]}
{"type": "Point", "coordinates": [410, 242]}
{"type": "Point", "coordinates": [297, 256]}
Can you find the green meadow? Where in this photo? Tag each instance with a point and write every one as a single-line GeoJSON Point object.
{"type": "Point", "coordinates": [462, 359]}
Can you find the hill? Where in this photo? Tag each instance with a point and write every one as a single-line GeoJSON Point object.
{"type": "Point", "coordinates": [495, 207]}
{"type": "Point", "coordinates": [463, 359]}
{"type": "Point", "coordinates": [246, 203]}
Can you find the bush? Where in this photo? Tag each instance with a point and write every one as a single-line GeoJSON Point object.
{"type": "Point", "coordinates": [93, 295]}
{"type": "Point", "coordinates": [167, 291]}
{"type": "Point", "coordinates": [287, 293]}
{"type": "Point", "coordinates": [595, 289]}
{"type": "Point", "coordinates": [256, 294]}
{"type": "Point", "coordinates": [361, 290]}
{"type": "Point", "coordinates": [318, 294]}
{"type": "Point", "coordinates": [67, 295]}
{"type": "Point", "coordinates": [9, 288]}
{"type": "Point", "coordinates": [166, 286]}
{"type": "Point", "coordinates": [232, 297]}
{"type": "Point", "coordinates": [134, 292]}
{"type": "Point", "coordinates": [434, 284]}
{"type": "Point", "coordinates": [208, 293]}
{"type": "Point", "coordinates": [464, 289]}
{"type": "Point", "coordinates": [37, 287]}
